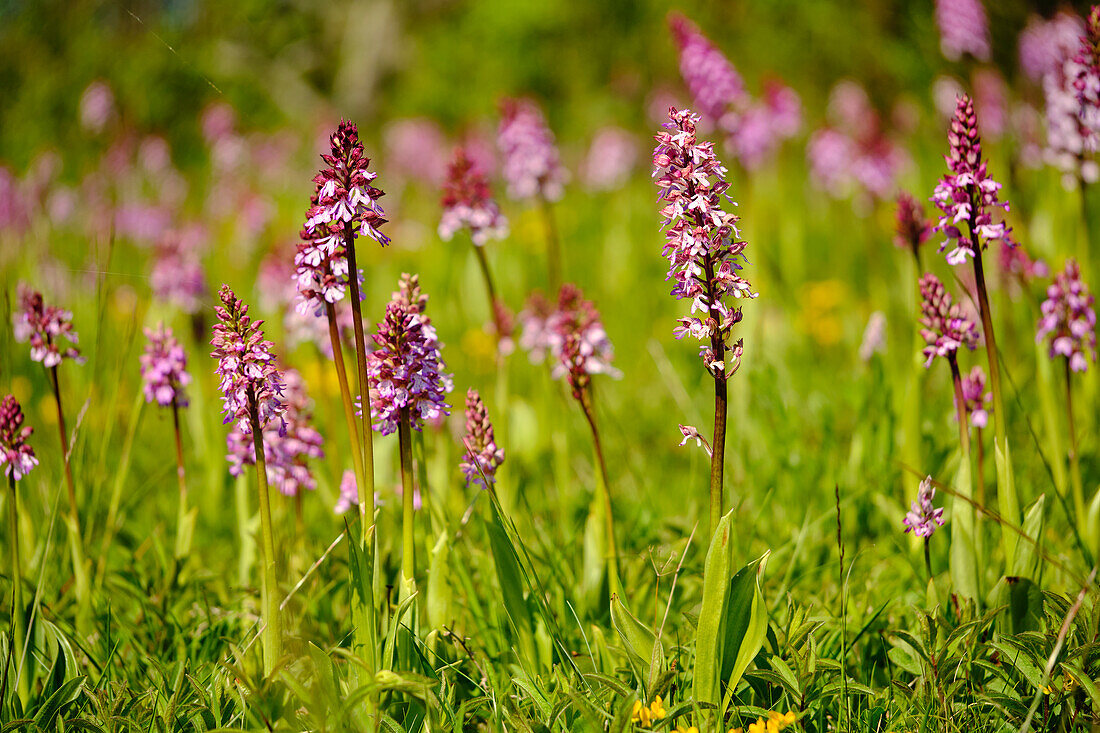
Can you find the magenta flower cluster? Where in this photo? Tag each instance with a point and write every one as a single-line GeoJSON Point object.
{"type": "Point", "coordinates": [1068, 318]}
{"type": "Point", "coordinates": [45, 327]}
{"type": "Point", "coordinates": [468, 203]}
{"type": "Point", "coordinates": [164, 376]}
{"type": "Point", "coordinates": [248, 376]}
{"type": "Point", "coordinates": [531, 164]}
{"type": "Point", "coordinates": [406, 368]}
{"type": "Point", "coordinates": [964, 29]}
{"type": "Point", "coordinates": [702, 244]}
{"type": "Point", "coordinates": [286, 452]}
{"type": "Point", "coordinates": [483, 456]}
{"type": "Point", "coordinates": [343, 207]}
{"type": "Point", "coordinates": [572, 333]}
{"type": "Point", "coordinates": [944, 327]}
{"type": "Point", "coordinates": [967, 193]}
{"type": "Point", "coordinates": [177, 276]}
{"type": "Point", "coordinates": [16, 456]}
{"type": "Point", "coordinates": [924, 517]}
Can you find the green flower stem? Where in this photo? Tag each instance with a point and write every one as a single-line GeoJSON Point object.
{"type": "Point", "coordinates": [181, 546]}
{"type": "Point", "coordinates": [964, 566]}
{"type": "Point", "coordinates": [604, 487]}
{"type": "Point", "coordinates": [366, 487]}
{"type": "Point", "coordinates": [490, 290]}
{"type": "Point", "coordinates": [1008, 504]}
{"type": "Point", "coordinates": [272, 626]}
{"type": "Point", "coordinates": [408, 540]}
{"type": "Point", "coordinates": [76, 538]}
{"type": "Point", "coordinates": [349, 412]}
{"type": "Point", "coordinates": [19, 621]}
{"type": "Point", "coordinates": [1074, 462]}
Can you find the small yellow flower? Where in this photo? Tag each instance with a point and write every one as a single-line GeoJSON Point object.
{"type": "Point", "coordinates": [657, 709]}
{"type": "Point", "coordinates": [640, 714]}
{"type": "Point", "coordinates": [736, 730]}
{"type": "Point", "coordinates": [1069, 684]}
{"type": "Point", "coordinates": [782, 720]}
{"type": "Point", "coordinates": [759, 727]}
{"type": "Point", "coordinates": [681, 729]}
{"type": "Point", "coordinates": [1048, 690]}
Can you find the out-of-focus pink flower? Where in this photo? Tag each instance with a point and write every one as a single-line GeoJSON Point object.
{"type": "Point", "coordinates": [349, 493]}
{"type": "Point", "coordinates": [611, 159]}
{"type": "Point", "coordinates": [531, 164]}
{"type": "Point", "coordinates": [712, 80]}
{"type": "Point", "coordinates": [1045, 44]}
{"type": "Point", "coordinates": [44, 327]}
{"type": "Point", "coordinates": [97, 107]}
{"type": "Point", "coordinates": [415, 149]}
{"type": "Point", "coordinates": [946, 91]}
{"type": "Point", "coordinates": [16, 457]}
{"type": "Point", "coordinates": [1016, 262]}
{"type": "Point", "coordinates": [177, 276]}
{"type": "Point", "coordinates": [286, 451]}
{"type": "Point", "coordinates": [468, 204]}
{"type": "Point", "coordinates": [14, 207]}
{"type": "Point", "coordinates": [874, 337]}
{"type": "Point", "coordinates": [964, 29]}
{"type": "Point", "coordinates": [164, 376]}
{"type": "Point", "coordinates": [218, 121]}
{"type": "Point", "coordinates": [578, 341]}
{"type": "Point", "coordinates": [1069, 320]}
{"type": "Point", "coordinates": [944, 327]}
{"type": "Point", "coordinates": [924, 518]}
{"type": "Point", "coordinates": [975, 397]}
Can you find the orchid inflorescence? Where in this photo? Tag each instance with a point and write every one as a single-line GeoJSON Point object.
{"type": "Point", "coordinates": [703, 244]}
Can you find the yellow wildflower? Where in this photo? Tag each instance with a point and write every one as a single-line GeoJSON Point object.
{"type": "Point", "coordinates": [782, 720]}
{"type": "Point", "coordinates": [657, 709]}
{"type": "Point", "coordinates": [760, 726]}
{"type": "Point", "coordinates": [681, 729]}
{"type": "Point", "coordinates": [640, 714]}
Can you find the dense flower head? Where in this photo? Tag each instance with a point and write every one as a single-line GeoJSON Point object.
{"type": "Point", "coordinates": [287, 451]}
{"type": "Point", "coordinates": [468, 203]}
{"type": "Point", "coordinates": [164, 376]}
{"type": "Point", "coordinates": [975, 397]}
{"type": "Point", "coordinates": [16, 456]}
{"type": "Point", "coordinates": [534, 331]}
{"type": "Point", "coordinates": [714, 83]}
{"type": "Point", "coordinates": [967, 193]}
{"type": "Point", "coordinates": [944, 326]}
{"type": "Point", "coordinates": [246, 366]}
{"type": "Point", "coordinates": [345, 195]}
{"type": "Point", "coordinates": [406, 368]}
{"type": "Point", "coordinates": [483, 456]}
{"type": "Point", "coordinates": [964, 29]}
{"type": "Point", "coordinates": [912, 228]}
{"type": "Point", "coordinates": [177, 276]}
{"type": "Point", "coordinates": [44, 327]}
{"type": "Point", "coordinates": [703, 244]}
{"type": "Point", "coordinates": [755, 133]}
{"type": "Point", "coordinates": [531, 164]}
{"type": "Point", "coordinates": [924, 518]}
{"type": "Point", "coordinates": [577, 340]}
{"type": "Point", "coordinates": [320, 264]}
{"type": "Point", "coordinates": [1068, 318]}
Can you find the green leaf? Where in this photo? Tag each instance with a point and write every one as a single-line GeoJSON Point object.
{"type": "Point", "coordinates": [732, 622]}
{"type": "Point", "coordinates": [1027, 555]}
{"type": "Point", "coordinates": [645, 651]}
{"type": "Point", "coordinates": [64, 695]}
{"type": "Point", "coordinates": [439, 589]}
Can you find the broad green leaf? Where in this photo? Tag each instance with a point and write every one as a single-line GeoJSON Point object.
{"type": "Point", "coordinates": [709, 639]}
{"type": "Point", "coordinates": [439, 589]}
{"type": "Point", "coordinates": [964, 564]}
{"type": "Point", "coordinates": [641, 644]}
